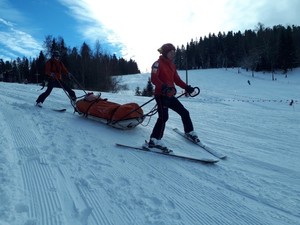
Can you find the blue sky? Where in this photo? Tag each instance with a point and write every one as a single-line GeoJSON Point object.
{"type": "Point", "coordinates": [132, 28]}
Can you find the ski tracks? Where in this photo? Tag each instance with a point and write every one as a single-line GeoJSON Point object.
{"type": "Point", "coordinates": [89, 195]}
{"type": "Point", "coordinates": [41, 202]}
{"type": "Point", "coordinates": [42, 199]}
{"type": "Point", "coordinates": [195, 204]}
{"type": "Point", "coordinates": [49, 195]}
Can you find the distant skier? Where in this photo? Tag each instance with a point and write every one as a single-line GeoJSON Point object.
{"type": "Point", "coordinates": [249, 82]}
{"type": "Point", "coordinates": [291, 102]}
{"type": "Point", "coordinates": [164, 76]}
{"type": "Point", "coordinates": [54, 69]}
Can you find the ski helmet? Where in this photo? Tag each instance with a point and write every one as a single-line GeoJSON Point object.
{"type": "Point", "coordinates": [165, 48]}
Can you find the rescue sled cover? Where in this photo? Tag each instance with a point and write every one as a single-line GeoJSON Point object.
{"type": "Point", "coordinates": [122, 116]}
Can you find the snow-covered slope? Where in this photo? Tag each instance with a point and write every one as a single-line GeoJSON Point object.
{"type": "Point", "coordinates": [60, 168]}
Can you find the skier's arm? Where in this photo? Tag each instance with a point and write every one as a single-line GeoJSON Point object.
{"type": "Point", "coordinates": [155, 75]}
{"type": "Point", "coordinates": [178, 81]}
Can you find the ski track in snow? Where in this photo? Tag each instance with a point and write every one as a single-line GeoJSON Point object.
{"type": "Point", "coordinates": [38, 180]}
{"type": "Point", "coordinates": [72, 175]}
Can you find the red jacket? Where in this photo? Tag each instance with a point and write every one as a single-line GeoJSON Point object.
{"type": "Point", "coordinates": [56, 67]}
{"type": "Point", "coordinates": [164, 72]}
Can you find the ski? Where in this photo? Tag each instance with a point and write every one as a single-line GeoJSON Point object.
{"type": "Point", "coordinates": [203, 146]}
{"type": "Point", "coordinates": [171, 154]}
{"type": "Point", "coordinates": [164, 149]}
{"type": "Point", "coordinates": [54, 109]}
{"type": "Point", "coordinates": [59, 110]}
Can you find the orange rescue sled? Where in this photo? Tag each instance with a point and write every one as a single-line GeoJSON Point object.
{"type": "Point", "coordinates": [126, 116]}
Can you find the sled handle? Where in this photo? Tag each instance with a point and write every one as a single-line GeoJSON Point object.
{"type": "Point", "coordinates": [195, 92]}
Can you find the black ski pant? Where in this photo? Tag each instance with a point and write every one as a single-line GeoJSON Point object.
{"type": "Point", "coordinates": [55, 83]}
{"type": "Point", "coordinates": [163, 105]}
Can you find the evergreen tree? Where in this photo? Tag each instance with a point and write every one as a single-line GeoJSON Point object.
{"type": "Point", "coordinates": [148, 91]}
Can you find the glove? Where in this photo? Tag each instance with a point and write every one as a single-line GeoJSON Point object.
{"type": "Point", "coordinates": [189, 89]}
{"type": "Point", "coordinates": [70, 75]}
{"type": "Point", "coordinates": [52, 75]}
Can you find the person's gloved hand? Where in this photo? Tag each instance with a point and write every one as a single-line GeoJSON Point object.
{"type": "Point", "coordinates": [70, 75]}
{"type": "Point", "coordinates": [52, 75]}
{"type": "Point", "coordinates": [189, 89]}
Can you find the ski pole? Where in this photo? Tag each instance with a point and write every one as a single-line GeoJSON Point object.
{"type": "Point", "coordinates": [63, 88]}
{"type": "Point", "coordinates": [76, 81]}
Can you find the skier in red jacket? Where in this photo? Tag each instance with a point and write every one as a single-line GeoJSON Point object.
{"type": "Point", "coordinates": [164, 76]}
{"type": "Point", "coordinates": [54, 69]}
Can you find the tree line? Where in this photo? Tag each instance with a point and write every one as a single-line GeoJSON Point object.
{"type": "Point", "coordinates": [92, 69]}
{"type": "Point", "coordinates": [262, 49]}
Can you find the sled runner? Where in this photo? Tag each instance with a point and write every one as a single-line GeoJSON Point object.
{"type": "Point", "coordinates": [126, 116]}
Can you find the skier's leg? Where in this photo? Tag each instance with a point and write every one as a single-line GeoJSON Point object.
{"type": "Point", "coordinates": [44, 95]}
{"type": "Point", "coordinates": [176, 105]}
{"type": "Point", "coordinates": [163, 116]}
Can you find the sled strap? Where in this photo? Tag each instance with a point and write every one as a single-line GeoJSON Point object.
{"type": "Point", "coordinates": [88, 109]}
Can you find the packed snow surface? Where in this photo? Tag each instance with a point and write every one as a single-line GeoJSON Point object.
{"type": "Point", "coordinates": [61, 168]}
